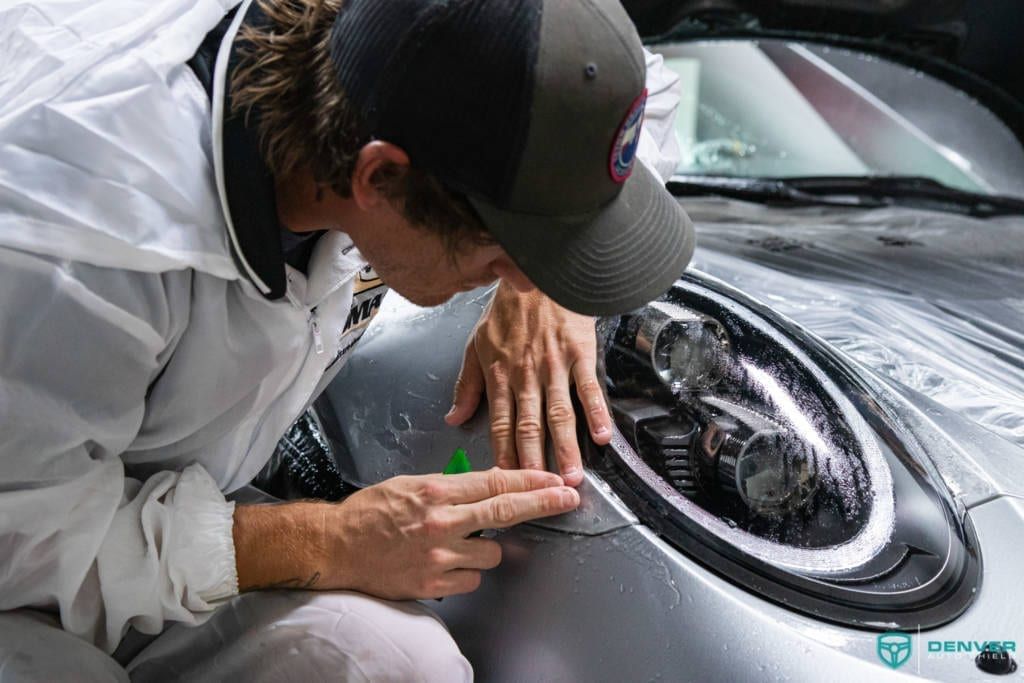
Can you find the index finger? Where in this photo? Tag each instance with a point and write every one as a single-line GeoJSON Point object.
{"type": "Point", "coordinates": [475, 486]}
{"type": "Point", "coordinates": [510, 509]}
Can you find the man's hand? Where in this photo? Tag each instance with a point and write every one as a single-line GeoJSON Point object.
{"type": "Point", "coordinates": [405, 538]}
{"type": "Point", "coordinates": [524, 352]}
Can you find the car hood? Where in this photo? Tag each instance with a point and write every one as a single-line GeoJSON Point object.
{"type": "Point", "coordinates": [971, 45]}
{"type": "Point", "coordinates": [929, 300]}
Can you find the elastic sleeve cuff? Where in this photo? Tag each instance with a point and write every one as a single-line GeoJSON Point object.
{"type": "Point", "coordinates": [207, 553]}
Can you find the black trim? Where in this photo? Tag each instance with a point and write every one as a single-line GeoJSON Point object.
{"type": "Point", "coordinates": [248, 182]}
{"type": "Point", "coordinates": [204, 61]}
{"type": "Point", "coordinates": [849, 192]}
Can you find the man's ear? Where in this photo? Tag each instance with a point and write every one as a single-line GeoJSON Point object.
{"type": "Point", "coordinates": [376, 159]}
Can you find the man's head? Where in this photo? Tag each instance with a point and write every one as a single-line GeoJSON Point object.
{"type": "Point", "coordinates": [519, 118]}
{"type": "Point", "coordinates": [308, 127]}
{"type": "Point", "coordinates": [427, 266]}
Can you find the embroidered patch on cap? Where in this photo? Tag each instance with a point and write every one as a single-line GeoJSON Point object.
{"type": "Point", "coordinates": [620, 165]}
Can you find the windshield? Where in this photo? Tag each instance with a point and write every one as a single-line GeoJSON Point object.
{"type": "Point", "coordinates": [774, 109]}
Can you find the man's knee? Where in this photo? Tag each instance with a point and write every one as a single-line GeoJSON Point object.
{"type": "Point", "coordinates": [391, 641]}
{"type": "Point", "coordinates": [432, 653]}
{"type": "Point", "coordinates": [33, 647]}
{"type": "Point", "coordinates": [309, 636]}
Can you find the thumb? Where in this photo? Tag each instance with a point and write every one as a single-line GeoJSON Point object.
{"type": "Point", "coordinates": [468, 388]}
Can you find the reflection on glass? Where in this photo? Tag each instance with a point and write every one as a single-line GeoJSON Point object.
{"type": "Point", "coordinates": [773, 109]}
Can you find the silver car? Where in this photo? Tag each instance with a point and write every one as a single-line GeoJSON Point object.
{"type": "Point", "coordinates": [818, 470]}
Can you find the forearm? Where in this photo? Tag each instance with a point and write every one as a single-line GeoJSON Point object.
{"type": "Point", "coordinates": [282, 546]}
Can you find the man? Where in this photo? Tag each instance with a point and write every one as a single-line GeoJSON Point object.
{"type": "Point", "coordinates": [161, 331]}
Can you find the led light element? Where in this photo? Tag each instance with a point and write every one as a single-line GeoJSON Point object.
{"type": "Point", "coordinates": [686, 349]}
{"type": "Point", "coordinates": [769, 467]}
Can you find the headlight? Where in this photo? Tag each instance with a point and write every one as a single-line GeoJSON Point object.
{"type": "Point", "coordinates": [756, 449]}
{"type": "Point", "coordinates": [686, 349]}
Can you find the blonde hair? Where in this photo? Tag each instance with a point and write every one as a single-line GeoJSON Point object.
{"type": "Point", "coordinates": [286, 79]}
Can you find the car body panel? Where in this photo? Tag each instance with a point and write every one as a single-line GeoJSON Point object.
{"type": "Point", "coordinates": [598, 595]}
{"type": "Point", "coordinates": [626, 606]}
{"type": "Point", "coordinates": [930, 300]}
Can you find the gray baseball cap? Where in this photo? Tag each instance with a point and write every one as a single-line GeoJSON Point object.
{"type": "Point", "coordinates": [533, 110]}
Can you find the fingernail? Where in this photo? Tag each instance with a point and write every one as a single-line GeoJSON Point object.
{"type": "Point", "coordinates": [450, 411]}
{"type": "Point", "coordinates": [571, 474]}
{"type": "Point", "coordinates": [570, 497]}
{"type": "Point", "coordinates": [601, 431]}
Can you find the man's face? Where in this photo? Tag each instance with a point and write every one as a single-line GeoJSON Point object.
{"type": "Point", "coordinates": [411, 259]}
{"type": "Point", "coordinates": [416, 263]}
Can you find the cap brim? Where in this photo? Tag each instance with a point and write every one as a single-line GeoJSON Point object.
{"type": "Point", "coordinates": [608, 262]}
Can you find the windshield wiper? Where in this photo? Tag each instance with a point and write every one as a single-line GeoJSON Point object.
{"type": "Point", "coordinates": [864, 192]}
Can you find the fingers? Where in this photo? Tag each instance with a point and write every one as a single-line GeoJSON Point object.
{"type": "Point", "coordinates": [524, 352]}
{"type": "Point", "coordinates": [456, 582]}
{"type": "Point", "coordinates": [472, 487]}
{"type": "Point", "coordinates": [500, 402]}
{"type": "Point", "coordinates": [529, 416]}
{"type": "Point", "coordinates": [469, 553]}
{"type": "Point", "coordinates": [468, 388]}
{"type": "Point", "coordinates": [588, 388]}
{"type": "Point", "coordinates": [510, 509]}
{"type": "Point", "coordinates": [562, 424]}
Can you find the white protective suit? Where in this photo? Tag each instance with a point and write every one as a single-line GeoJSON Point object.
{"type": "Point", "coordinates": [143, 374]}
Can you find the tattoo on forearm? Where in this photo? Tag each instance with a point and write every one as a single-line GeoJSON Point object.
{"type": "Point", "coordinates": [295, 583]}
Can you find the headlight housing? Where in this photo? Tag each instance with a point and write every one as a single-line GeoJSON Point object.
{"type": "Point", "coordinates": [756, 449]}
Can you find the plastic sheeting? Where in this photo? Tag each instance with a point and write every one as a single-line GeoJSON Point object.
{"type": "Point", "coordinates": [932, 300]}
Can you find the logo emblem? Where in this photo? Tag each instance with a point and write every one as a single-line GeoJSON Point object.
{"type": "Point", "coordinates": [894, 648]}
{"type": "Point", "coordinates": [627, 140]}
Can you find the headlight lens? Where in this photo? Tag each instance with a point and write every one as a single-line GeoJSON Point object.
{"type": "Point", "coordinates": [756, 449]}
{"type": "Point", "coordinates": [687, 350]}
